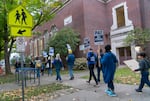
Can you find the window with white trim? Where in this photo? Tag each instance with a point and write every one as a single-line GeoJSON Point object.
{"type": "Point", "coordinates": [120, 16]}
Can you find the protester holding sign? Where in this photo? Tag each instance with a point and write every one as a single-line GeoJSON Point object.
{"type": "Point", "coordinates": [144, 66]}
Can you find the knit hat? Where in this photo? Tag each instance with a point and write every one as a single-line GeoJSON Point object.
{"type": "Point", "coordinates": [70, 51]}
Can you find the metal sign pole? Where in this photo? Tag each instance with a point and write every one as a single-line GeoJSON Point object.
{"type": "Point", "coordinates": [20, 41]}
{"type": "Point", "coordinates": [22, 72]}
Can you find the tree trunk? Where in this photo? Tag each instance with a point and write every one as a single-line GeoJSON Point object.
{"type": "Point", "coordinates": [6, 49]}
{"type": "Point", "coordinates": [6, 55]}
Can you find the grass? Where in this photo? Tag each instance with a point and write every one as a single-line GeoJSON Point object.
{"type": "Point", "coordinates": [11, 78]}
{"type": "Point", "coordinates": [31, 92]}
{"type": "Point", "coordinates": [124, 76]}
{"type": "Point", "coordinates": [7, 78]}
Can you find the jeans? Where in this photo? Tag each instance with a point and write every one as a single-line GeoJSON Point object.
{"type": "Point", "coordinates": [144, 80]}
{"type": "Point", "coordinates": [38, 72]}
{"type": "Point", "coordinates": [70, 67]}
{"type": "Point", "coordinates": [58, 77]}
{"type": "Point", "coordinates": [111, 85]}
{"type": "Point", "coordinates": [49, 71]}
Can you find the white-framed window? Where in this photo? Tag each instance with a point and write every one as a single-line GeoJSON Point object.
{"type": "Point", "coordinates": [120, 16]}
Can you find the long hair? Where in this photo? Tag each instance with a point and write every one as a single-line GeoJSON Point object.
{"type": "Point", "coordinates": [58, 56]}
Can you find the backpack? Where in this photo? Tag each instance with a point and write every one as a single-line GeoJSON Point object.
{"type": "Point", "coordinates": [38, 64]}
{"type": "Point", "coordinates": [147, 63]}
{"type": "Point", "coordinates": [92, 58]}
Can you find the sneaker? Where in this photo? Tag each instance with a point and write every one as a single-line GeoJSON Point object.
{"type": "Point", "coordinates": [71, 78]}
{"type": "Point", "coordinates": [138, 90]}
{"type": "Point", "coordinates": [88, 82]}
{"type": "Point", "coordinates": [110, 93]}
{"type": "Point", "coordinates": [107, 91]}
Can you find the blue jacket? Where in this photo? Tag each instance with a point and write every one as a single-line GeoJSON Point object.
{"type": "Point", "coordinates": [108, 62]}
{"type": "Point", "coordinates": [91, 58]}
{"type": "Point", "coordinates": [71, 59]}
{"type": "Point", "coordinates": [57, 64]}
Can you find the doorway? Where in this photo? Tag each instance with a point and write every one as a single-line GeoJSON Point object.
{"type": "Point", "coordinates": [124, 54]}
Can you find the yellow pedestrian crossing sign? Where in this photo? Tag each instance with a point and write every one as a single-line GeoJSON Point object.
{"type": "Point", "coordinates": [19, 19]}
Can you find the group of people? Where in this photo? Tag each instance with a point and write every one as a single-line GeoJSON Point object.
{"type": "Point", "coordinates": [104, 61]}
{"type": "Point", "coordinates": [49, 62]}
{"type": "Point", "coordinates": [107, 64]}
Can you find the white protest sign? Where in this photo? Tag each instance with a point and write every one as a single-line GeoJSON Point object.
{"type": "Point", "coordinates": [132, 64]}
{"type": "Point", "coordinates": [51, 51]}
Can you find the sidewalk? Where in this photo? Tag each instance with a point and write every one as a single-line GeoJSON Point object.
{"type": "Point", "coordinates": [81, 91]}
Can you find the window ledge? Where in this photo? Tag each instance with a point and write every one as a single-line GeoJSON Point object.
{"type": "Point", "coordinates": [121, 30]}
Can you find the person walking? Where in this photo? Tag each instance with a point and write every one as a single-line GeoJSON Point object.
{"type": "Point", "coordinates": [70, 62]}
{"type": "Point", "coordinates": [144, 66]}
{"type": "Point", "coordinates": [91, 60]}
{"type": "Point", "coordinates": [58, 65]}
{"type": "Point", "coordinates": [109, 61]}
{"type": "Point", "coordinates": [99, 65]}
{"type": "Point", "coordinates": [49, 66]}
{"type": "Point", "coordinates": [38, 65]}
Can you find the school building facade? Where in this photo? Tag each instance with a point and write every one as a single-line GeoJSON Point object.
{"type": "Point", "coordinates": [112, 19]}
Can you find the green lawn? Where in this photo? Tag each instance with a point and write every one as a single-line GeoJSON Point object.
{"type": "Point", "coordinates": [124, 76]}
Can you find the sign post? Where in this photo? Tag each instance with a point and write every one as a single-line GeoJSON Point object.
{"type": "Point", "coordinates": [21, 48]}
{"type": "Point", "coordinates": [20, 22]}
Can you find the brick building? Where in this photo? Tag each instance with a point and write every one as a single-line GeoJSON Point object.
{"type": "Point", "coordinates": [112, 18]}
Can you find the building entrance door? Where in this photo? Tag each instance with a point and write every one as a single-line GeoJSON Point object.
{"type": "Point", "coordinates": [124, 54]}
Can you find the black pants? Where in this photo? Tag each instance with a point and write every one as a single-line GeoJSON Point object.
{"type": "Point", "coordinates": [91, 69]}
{"type": "Point", "coordinates": [98, 73]}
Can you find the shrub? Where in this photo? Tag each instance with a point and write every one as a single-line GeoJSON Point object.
{"type": "Point", "coordinates": [80, 63]}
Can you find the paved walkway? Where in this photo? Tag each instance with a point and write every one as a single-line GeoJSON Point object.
{"type": "Point", "coordinates": [81, 91]}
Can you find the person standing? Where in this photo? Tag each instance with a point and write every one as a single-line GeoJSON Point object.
{"type": "Point", "coordinates": [32, 63]}
{"type": "Point", "coordinates": [17, 65]}
{"type": "Point", "coordinates": [144, 66]}
{"type": "Point", "coordinates": [70, 62]}
{"type": "Point", "coordinates": [91, 60]}
{"type": "Point", "coordinates": [109, 61]}
{"type": "Point", "coordinates": [58, 65]}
